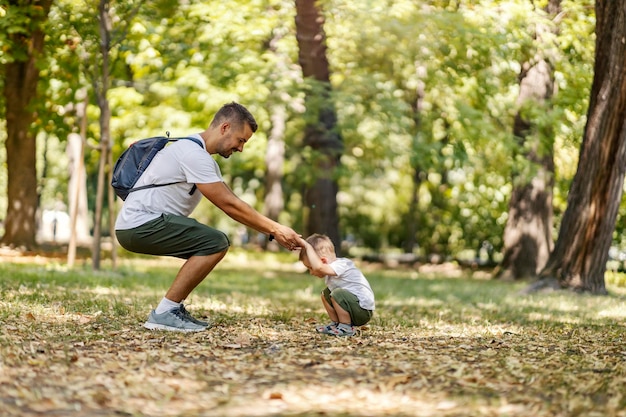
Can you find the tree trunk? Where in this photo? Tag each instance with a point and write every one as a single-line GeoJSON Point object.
{"type": "Point", "coordinates": [581, 251]}
{"type": "Point", "coordinates": [274, 201]}
{"type": "Point", "coordinates": [111, 204]}
{"type": "Point", "coordinates": [20, 90]}
{"type": "Point", "coordinates": [77, 194]}
{"type": "Point", "coordinates": [418, 173]}
{"type": "Point", "coordinates": [411, 217]}
{"type": "Point", "coordinates": [77, 198]}
{"type": "Point", "coordinates": [528, 232]}
{"type": "Point", "coordinates": [274, 160]}
{"type": "Point", "coordinates": [101, 87]}
{"type": "Point", "coordinates": [321, 135]}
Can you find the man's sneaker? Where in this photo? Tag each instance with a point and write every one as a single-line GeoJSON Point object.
{"type": "Point", "coordinates": [189, 317]}
{"type": "Point", "coordinates": [174, 320]}
{"type": "Point", "coordinates": [343, 329]}
{"type": "Point", "coordinates": [326, 328]}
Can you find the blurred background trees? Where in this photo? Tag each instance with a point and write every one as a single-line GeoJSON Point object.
{"type": "Point", "coordinates": [427, 135]}
{"type": "Point", "coordinates": [22, 43]}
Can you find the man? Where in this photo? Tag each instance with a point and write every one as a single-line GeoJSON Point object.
{"type": "Point", "coordinates": [155, 220]}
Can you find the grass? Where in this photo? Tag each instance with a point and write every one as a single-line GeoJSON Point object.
{"type": "Point", "coordinates": [440, 344]}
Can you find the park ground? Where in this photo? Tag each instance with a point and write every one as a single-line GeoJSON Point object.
{"type": "Point", "coordinates": [443, 342]}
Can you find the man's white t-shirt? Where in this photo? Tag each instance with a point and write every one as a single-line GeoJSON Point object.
{"type": "Point", "coordinates": [350, 278]}
{"type": "Point", "coordinates": [183, 162]}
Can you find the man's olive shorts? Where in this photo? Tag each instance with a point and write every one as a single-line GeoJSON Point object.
{"type": "Point", "coordinates": [350, 303]}
{"type": "Point", "coordinates": [170, 235]}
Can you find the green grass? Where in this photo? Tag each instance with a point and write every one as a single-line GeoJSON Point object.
{"type": "Point", "coordinates": [71, 343]}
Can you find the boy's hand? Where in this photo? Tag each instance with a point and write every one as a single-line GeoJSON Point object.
{"type": "Point", "coordinates": [287, 237]}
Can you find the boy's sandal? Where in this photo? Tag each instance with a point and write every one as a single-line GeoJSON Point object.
{"type": "Point", "coordinates": [327, 328]}
{"type": "Point", "coordinates": [343, 330]}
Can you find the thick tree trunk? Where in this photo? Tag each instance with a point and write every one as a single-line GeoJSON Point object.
{"type": "Point", "coordinates": [528, 232]}
{"type": "Point", "coordinates": [20, 89]}
{"type": "Point", "coordinates": [581, 251]}
{"type": "Point", "coordinates": [321, 135]}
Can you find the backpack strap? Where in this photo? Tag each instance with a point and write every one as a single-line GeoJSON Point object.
{"type": "Point", "coordinates": [193, 189]}
{"type": "Point", "coordinates": [190, 138]}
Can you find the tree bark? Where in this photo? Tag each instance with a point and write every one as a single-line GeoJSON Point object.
{"type": "Point", "coordinates": [528, 232]}
{"type": "Point", "coordinates": [111, 204]}
{"type": "Point", "coordinates": [417, 105]}
{"type": "Point", "coordinates": [77, 198]}
{"type": "Point", "coordinates": [101, 87]}
{"type": "Point", "coordinates": [21, 77]}
{"type": "Point", "coordinates": [321, 134]}
{"type": "Point", "coordinates": [579, 258]}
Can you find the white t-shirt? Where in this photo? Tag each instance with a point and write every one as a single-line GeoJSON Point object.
{"type": "Point", "coordinates": [350, 278]}
{"type": "Point", "coordinates": [183, 162]}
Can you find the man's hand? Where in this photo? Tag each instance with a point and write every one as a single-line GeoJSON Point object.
{"type": "Point", "coordinates": [287, 237]}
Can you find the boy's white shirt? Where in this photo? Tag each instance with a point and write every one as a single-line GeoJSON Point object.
{"type": "Point", "coordinates": [350, 278]}
{"type": "Point", "coordinates": [183, 162]}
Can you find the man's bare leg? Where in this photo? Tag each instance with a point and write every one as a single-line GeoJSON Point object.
{"type": "Point", "coordinates": [191, 274]}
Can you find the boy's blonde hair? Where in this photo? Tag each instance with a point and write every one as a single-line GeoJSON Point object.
{"type": "Point", "coordinates": [322, 244]}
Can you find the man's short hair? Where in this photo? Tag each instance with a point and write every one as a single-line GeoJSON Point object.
{"type": "Point", "coordinates": [237, 114]}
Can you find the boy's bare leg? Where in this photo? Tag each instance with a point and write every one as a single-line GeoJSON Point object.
{"type": "Point", "coordinates": [330, 310]}
{"type": "Point", "coordinates": [342, 315]}
{"type": "Point", "coordinates": [191, 274]}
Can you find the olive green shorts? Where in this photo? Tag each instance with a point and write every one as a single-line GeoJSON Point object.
{"type": "Point", "coordinates": [350, 303]}
{"type": "Point", "coordinates": [170, 235]}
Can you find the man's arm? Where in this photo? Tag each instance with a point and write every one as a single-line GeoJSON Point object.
{"type": "Point", "coordinates": [222, 196]}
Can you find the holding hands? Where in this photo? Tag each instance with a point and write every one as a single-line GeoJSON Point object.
{"type": "Point", "coordinates": [287, 237]}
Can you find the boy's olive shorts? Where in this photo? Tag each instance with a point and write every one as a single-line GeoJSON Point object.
{"type": "Point", "coordinates": [170, 235]}
{"type": "Point", "coordinates": [350, 303]}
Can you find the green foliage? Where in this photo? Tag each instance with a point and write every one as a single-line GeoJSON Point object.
{"type": "Point", "coordinates": [441, 84]}
{"type": "Point", "coordinates": [17, 23]}
{"type": "Point", "coordinates": [429, 99]}
{"type": "Point", "coordinates": [422, 90]}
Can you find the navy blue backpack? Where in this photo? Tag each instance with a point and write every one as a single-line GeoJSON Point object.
{"type": "Point", "coordinates": [134, 161]}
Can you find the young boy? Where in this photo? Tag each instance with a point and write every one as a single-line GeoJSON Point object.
{"type": "Point", "coordinates": [348, 298]}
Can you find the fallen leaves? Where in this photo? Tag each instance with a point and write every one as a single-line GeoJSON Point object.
{"type": "Point", "coordinates": [237, 370]}
{"type": "Point", "coordinates": [60, 359]}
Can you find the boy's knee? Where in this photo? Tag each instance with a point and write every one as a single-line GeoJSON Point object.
{"type": "Point", "coordinates": [326, 295]}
